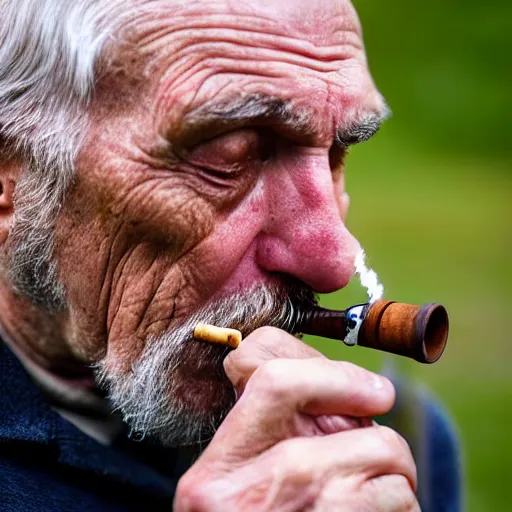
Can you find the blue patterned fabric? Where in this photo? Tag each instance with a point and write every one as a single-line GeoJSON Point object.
{"type": "Point", "coordinates": [442, 482]}
{"type": "Point", "coordinates": [434, 443]}
{"type": "Point", "coordinates": [47, 465]}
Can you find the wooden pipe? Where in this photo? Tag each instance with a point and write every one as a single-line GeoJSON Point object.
{"type": "Point", "coordinates": [418, 332]}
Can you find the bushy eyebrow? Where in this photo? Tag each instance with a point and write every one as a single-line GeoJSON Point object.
{"type": "Point", "coordinates": [260, 108]}
{"type": "Point", "coordinates": [362, 130]}
{"type": "Point", "coordinates": [257, 108]}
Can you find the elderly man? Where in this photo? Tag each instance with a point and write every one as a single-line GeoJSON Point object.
{"type": "Point", "coordinates": [164, 163]}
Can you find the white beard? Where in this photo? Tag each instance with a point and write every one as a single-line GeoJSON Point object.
{"type": "Point", "coordinates": [162, 399]}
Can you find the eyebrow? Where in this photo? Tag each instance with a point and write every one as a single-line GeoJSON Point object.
{"type": "Point", "coordinates": [260, 108]}
{"type": "Point", "coordinates": [362, 130]}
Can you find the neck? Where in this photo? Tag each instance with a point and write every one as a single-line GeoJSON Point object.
{"type": "Point", "coordinates": [36, 337]}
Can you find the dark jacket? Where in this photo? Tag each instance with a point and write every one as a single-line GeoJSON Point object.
{"type": "Point", "coordinates": [48, 465]}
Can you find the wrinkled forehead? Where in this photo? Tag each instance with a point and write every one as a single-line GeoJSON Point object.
{"type": "Point", "coordinates": [323, 24]}
{"type": "Point", "coordinates": [318, 21]}
{"type": "Point", "coordinates": [307, 53]}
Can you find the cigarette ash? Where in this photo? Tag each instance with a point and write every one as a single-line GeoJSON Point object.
{"type": "Point", "coordinates": [368, 278]}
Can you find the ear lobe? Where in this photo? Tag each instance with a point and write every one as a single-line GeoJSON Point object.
{"type": "Point", "coordinates": [8, 179]}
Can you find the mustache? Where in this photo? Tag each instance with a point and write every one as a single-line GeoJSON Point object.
{"type": "Point", "coordinates": [281, 304]}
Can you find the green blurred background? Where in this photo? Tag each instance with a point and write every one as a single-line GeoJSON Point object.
{"type": "Point", "coordinates": [431, 204]}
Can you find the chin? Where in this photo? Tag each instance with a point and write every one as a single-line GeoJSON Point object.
{"type": "Point", "coordinates": [198, 396]}
{"type": "Point", "coordinates": [174, 395]}
{"type": "Point", "coordinates": [176, 392]}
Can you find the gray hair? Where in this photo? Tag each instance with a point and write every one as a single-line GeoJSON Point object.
{"type": "Point", "coordinates": [48, 53]}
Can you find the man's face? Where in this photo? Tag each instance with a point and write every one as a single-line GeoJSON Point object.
{"type": "Point", "coordinates": [211, 168]}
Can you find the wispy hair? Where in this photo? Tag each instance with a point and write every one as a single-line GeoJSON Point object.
{"type": "Point", "coordinates": [49, 50]}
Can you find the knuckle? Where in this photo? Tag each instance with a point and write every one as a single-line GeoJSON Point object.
{"type": "Point", "coordinates": [270, 378]}
{"type": "Point", "coordinates": [234, 363]}
{"type": "Point", "coordinates": [235, 371]}
{"type": "Point", "coordinates": [251, 364]}
{"type": "Point", "coordinates": [384, 444]}
{"type": "Point", "coordinates": [190, 495]}
{"type": "Point", "coordinates": [409, 502]}
{"type": "Point", "coordinates": [392, 442]}
{"type": "Point", "coordinates": [273, 343]}
{"type": "Point", "coordinates": [255, 346]}
{"type": "Point", "coordinates": [270, 340]}
{"type": "Point", "coordinates": [395, 451]}
{"type": "Point", "coordinates": [291, 450]}
{"type": "Point", "coordinates": [230, 363]}
{"type": "Point", "coordinates": [265, 333]}
{"type": "Point", "coordinates": [392, 492]}
{"type": "Point", "coordinates": [291, 455]}
{"type": "Point", "coordinates": [405, 498]}
{"type": "Point", "coordinates": [404, 495]}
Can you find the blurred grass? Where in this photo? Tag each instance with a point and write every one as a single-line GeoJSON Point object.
{"type": "Point", "coordinates": [432, 205]}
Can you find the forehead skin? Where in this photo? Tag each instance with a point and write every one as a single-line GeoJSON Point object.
{"type": "Point", "coordinates": [309, 53]}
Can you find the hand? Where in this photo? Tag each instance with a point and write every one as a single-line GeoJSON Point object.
{"type": "Point", "coordinates": [291, 442]}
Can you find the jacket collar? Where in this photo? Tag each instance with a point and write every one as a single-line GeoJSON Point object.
{"type": "Point", "coordinates": [27, 417]}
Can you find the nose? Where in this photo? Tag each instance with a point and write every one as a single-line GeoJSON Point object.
{"type": "Point", "coordinates": [304, 234]}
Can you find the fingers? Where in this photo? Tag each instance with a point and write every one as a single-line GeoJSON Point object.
{"type": "Point", "coordinates": [369, 452]}
{"type": "Point", "coordinates": [387, 493]}
{"type": "Point", "coordinates": [318, 386]}
{"type": "Point", "coordinates": [364, 469]}
{"type": "Point", "coordinates": [284, 398]}
{"type": "Point", "coordinates": [281, 443]}
{"type": "Point", "coordinates": [263, 345]}
{"type": "Point", "coordinates": [363, 454]}
{"type": "Point", "coordinates": [392, 493]}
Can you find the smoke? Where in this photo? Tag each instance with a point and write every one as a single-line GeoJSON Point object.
{"type": "Point", "coordinates": [368, 278]}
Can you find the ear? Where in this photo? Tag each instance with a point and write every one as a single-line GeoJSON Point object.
{"type": "Point", "coordinates": [9, 173]}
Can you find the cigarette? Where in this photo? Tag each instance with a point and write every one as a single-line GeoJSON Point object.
{"type": "Point", "coordinates": [214, 334]}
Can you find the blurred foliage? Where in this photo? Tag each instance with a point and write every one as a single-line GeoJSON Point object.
{"type": "Point", "coordinates": [444, 67]}
{"type": "Point", "coordinates": [431, 203]}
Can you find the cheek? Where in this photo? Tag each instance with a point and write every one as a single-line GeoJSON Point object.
{"type": "Point", "coordinates": [118, 265]}
{"type": "Point", "coordinates": [226, 260]}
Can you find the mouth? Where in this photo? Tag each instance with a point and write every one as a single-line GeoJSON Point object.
{"type": "Point", "coordinates": [177, 389]}
{"type": "Point", "coordinates": [218, 326]}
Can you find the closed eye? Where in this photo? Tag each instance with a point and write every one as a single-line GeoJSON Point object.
{"type": "Point", "coordinates": [232, 151]}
